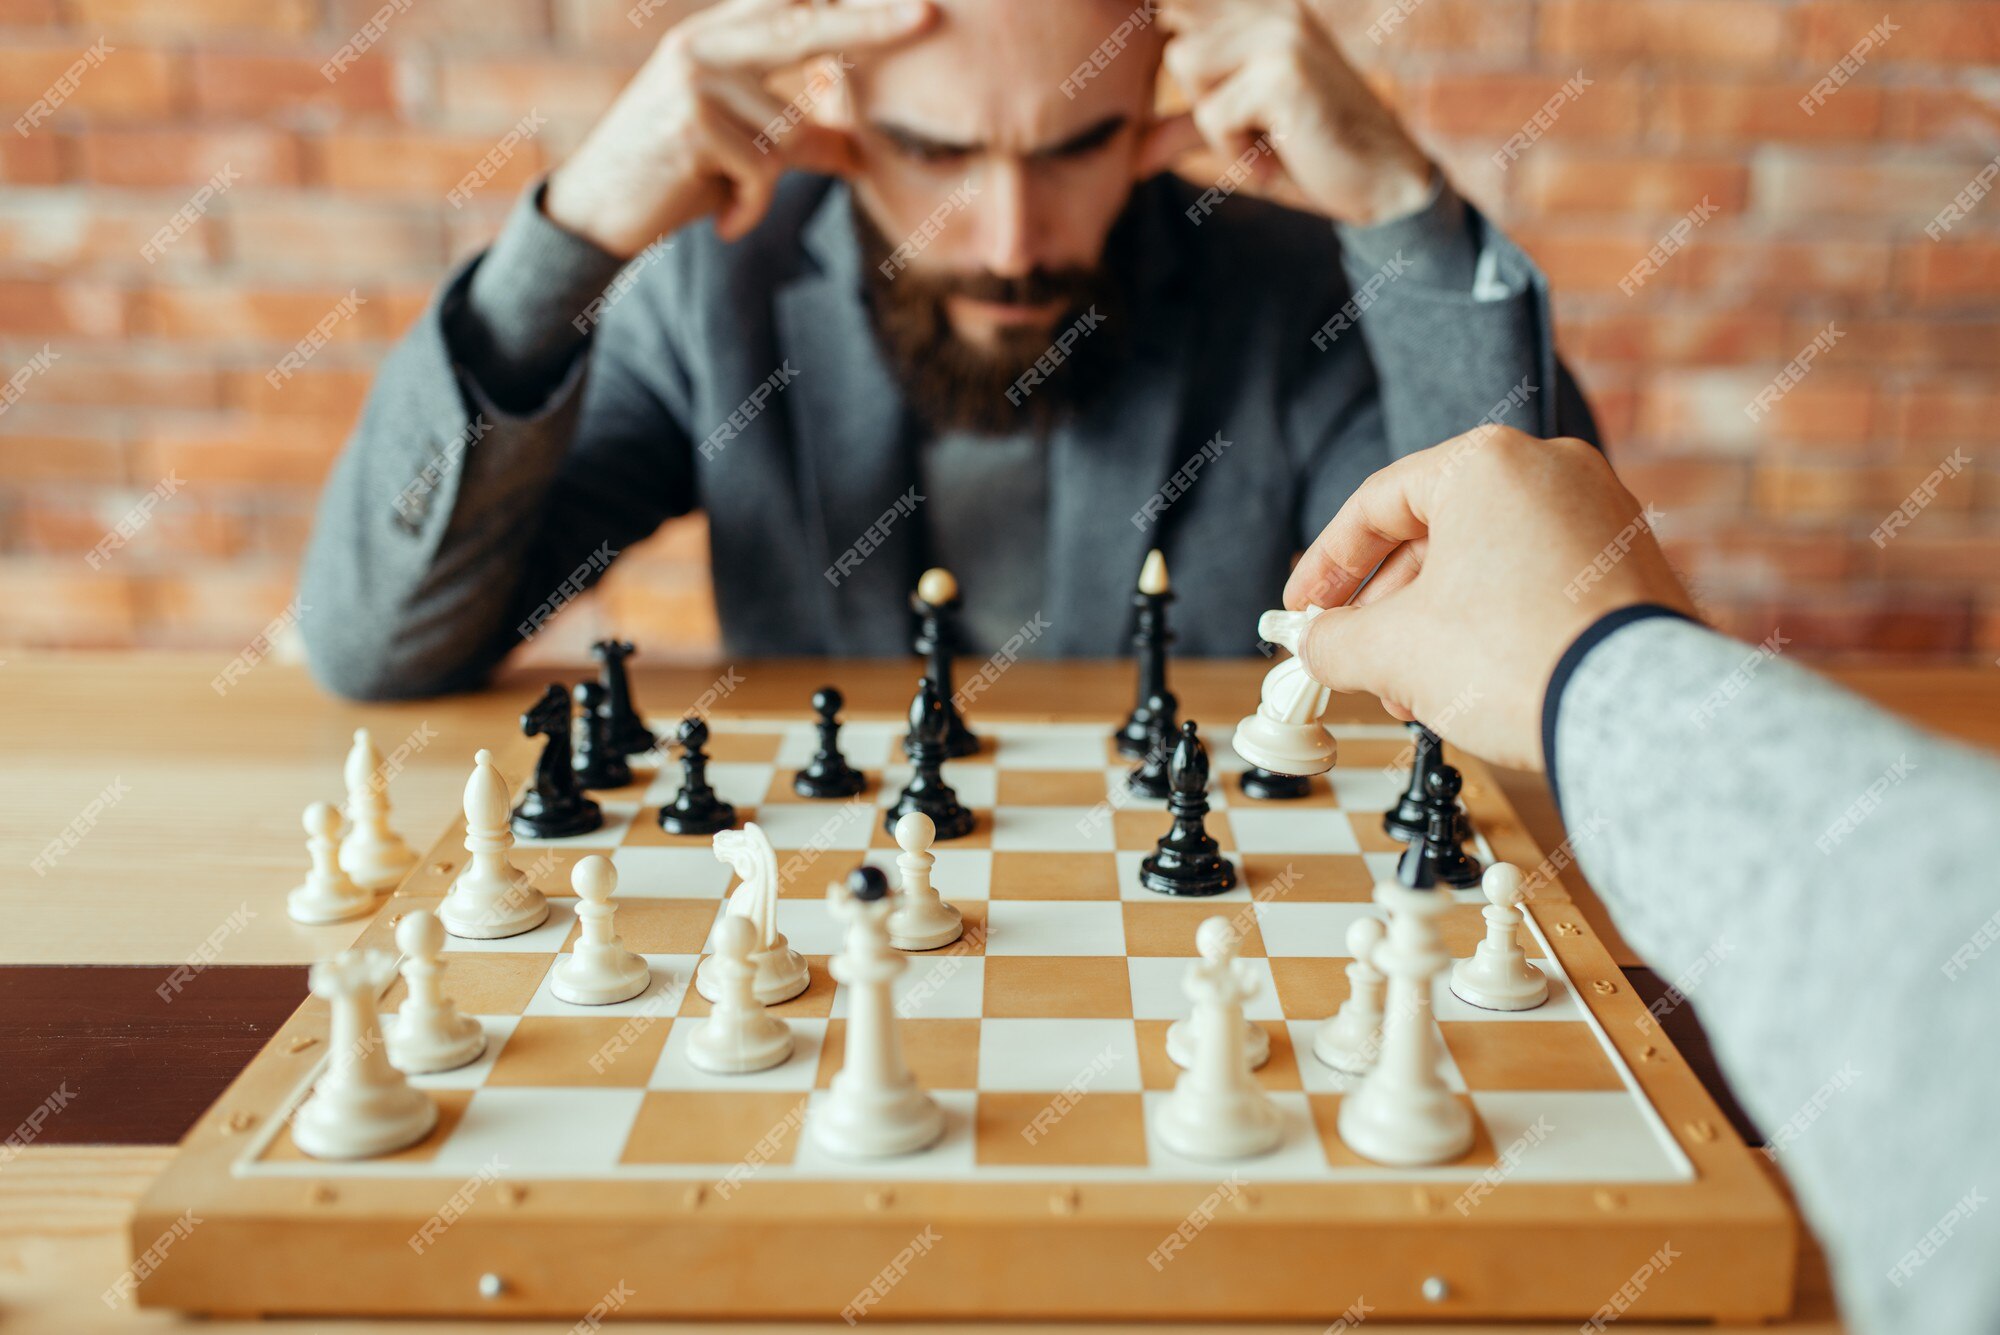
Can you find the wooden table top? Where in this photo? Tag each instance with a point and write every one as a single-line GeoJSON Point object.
{"type": "Point", "coordinates": [197, 827]}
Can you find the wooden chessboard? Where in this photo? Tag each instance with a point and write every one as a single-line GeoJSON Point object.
{"type": "Point", "coordinates": [583, 1165]}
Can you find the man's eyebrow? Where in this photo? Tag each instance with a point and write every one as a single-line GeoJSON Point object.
{"type": "Point", "coordinates": [1084, 140]}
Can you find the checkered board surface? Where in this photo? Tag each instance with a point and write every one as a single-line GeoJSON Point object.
{"type": "Point", "coordinates": [1041, 1033]}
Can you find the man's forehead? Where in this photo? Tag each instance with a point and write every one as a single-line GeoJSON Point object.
{"type": "Point", "coordinates": [1014, 73]}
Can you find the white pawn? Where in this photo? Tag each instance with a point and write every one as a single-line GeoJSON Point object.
{"type": "Point", "coordinates": [492, 898]}
{"type": "Point", "coordinates": [372, 853]}
{"type": "Point", "coordinates": [921, 920]}
{"type": "Point", "coordinates": [1217, 1109]}
{"type": "Point", "coordinates": [329, 894]}
{"type": "Point", "coordinates": [1404, 1114]}
{"type": "Point", "coordinates": [1349, 1039]}
{"type": "Point", "coordinates": [1497, 975]}
{"type": "Point", "coordinates": [429, 1034]}
{"type": "Point", "coordinates": [739, 1035]}
{"type": "Point", "coordinates": [361, 1106]}
{"type": "Point", "coordinates": [600, 970]}
{"type": "Point", "coordinates": [875, 1106]}
{"type": "Point", "coordinates": [1180, 1034]}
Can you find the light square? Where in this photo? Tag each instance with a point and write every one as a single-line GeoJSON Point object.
{"type": "Point", "coordinates": [1157, 992]}
{"type": "Point", "coordinates": [542, 1132]}
{"type": "Point", "coordinates": [1053, 1055]}
{"type": "Point", "coordinates": [669, 873]}
{"type": "Point", "coordinates": [1268, 829]}
{"type": "Point", "coordinates": [796, 1072]}
{"type": "Point", "coordinates": [1052, 830]}
{"type": "Point", "coordinates": [1047, 927]}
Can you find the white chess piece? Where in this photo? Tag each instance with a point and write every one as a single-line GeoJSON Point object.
{"type": "Point", "coordinates": [372, 853]}
{"type": "Point", "coordinates": [329, 894]}
{"type": "Point", "coordinates": [1217, 1109]}
{"type": "Point", "coordinates": [428, 1034]}
{"type": "Point", "coordinates": [739, 1035]}
{"type": "Point", "coordinates": [599, 970]}
{"type": "Point", "coordinates": [875, 1107]}
{"type": "Point", "coordinates": [492, 898]}
{"type": "Point", "coordinates": [1351, 1038]}
{"type": "Point", "coordinates": [921, 919]}
{"type": "Point", "coordinates": [1285, 735]}
{"type": "Point", "coordinates": [1404, 1114]}
{"type": "Point", "coordinates": [361, 1106]}
{"type": "Point", "coordinates": [1181, 1037]}
{"type": "Point", "coordinates": [1497, 975]}
{"type": "Point", "coordinates": [781, 971]}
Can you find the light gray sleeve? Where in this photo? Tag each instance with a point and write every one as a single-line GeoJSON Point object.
{"type": "Point", "coordinates": [501, 460]}
{"type": "Point", "coordinates": [1822, 882]}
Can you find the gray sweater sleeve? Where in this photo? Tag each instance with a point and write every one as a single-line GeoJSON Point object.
{"type": "Point", "coordinates": [1822, 882]}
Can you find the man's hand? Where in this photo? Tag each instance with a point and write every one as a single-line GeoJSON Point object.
{"type": "Point", "coordinates": [1496, 550]}
{"type": "Point", "coordinates": [1270, 69]}
{"type": "Point", "coordinates": [683, 139]}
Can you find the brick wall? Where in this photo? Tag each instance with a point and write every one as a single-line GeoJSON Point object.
{"type": "Point", "coordinates": [139, 371]}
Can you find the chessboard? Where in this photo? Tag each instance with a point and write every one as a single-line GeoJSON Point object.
{"type": "Point", "coordinates": [583, 1166]}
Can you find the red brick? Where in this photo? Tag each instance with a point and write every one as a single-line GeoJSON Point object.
{"type": "Point", "coordinates": [1828, 410]}
{"type": "Point", "coordinates": [1493, 105]}
{"type": "Point", "coordinates": [1748, 267]}
{"type": "Point", "coordinates": [399, 308]}
{"type": "Point", "coordinates": [186, 157]}
{"type": "Point", "coordinates": [1688, 483]}
{"type": "Point", "coordinates": [122, 376]}
{"type": "Point", "coordinates": [1794, 187]}
{"type": "Point", "coordinates": [301, 237]}
{"type": "Point", "coordinates": [1888, 624]}
{"type": "Point", "coordinates": [1863, 493]}
{"type": "Point", "coordinates": [326, 394]}
{"type": "Point", "coordinates": [1950, 273]}
{"type": "Point", "coordinates": [215, 605]}
{"type": "Point", "coordinates": [82, 309]}
{"type": "Point", "coordinates": [61, 458]}
{"type": "Point", "coordinates": [499, 92]}
{"type": "Point", "coordinates": [1932, 412]}
{"type": "Point", "coordinates": [462, 23]}
{"type": "Point", "coordinates": [64, 604]}
{"type": "Point", "coordinates": [28, 13]}
{"type": "Point", "coordinates": [127, 83]}
{"type": "Point", "coordinates": [1917, 555]}
{"type": "Point", "coordinates": [1743, 559]}
{"type": "Point", "coordinates": [1703, 409]}
{"type": "Point", "coordinates": [63, 230]}
{"type": "Point", "coordinates": [1755, 113]}
{"type": "Point", "coordinates": [1678, 337]}
{"type": "Point", "coordinates": [34, 160]}
{"type": "Point", "coordinates": [1927, 31]}
{"type": "Point", "coordinates": [238, 450]}
{"type": "Point", "coordinates": [192, 18]}
{"type": "Point", "coordinates": [1942, 117]}
{"type": "Point", "coordinates": [1707, 33]}
{"type": "Point", "coordinates": [1665, 188]}
{"type": "Point", "coordinates": [1581, 260]}
{"type": "Point", "coordinates": [231, 84]}
{"type": "Point", "coordinates": [239, 312]}
{"type": "Point", "coordinates": [606, 22]}
{"type": "Point", "coordinates": [426, 165]}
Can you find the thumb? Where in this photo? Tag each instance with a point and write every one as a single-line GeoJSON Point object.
{"type": "Point", "coordinates": [1359, 647]}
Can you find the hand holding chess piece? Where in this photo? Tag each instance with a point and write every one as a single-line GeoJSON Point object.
{"type": "Point", "coordinates": [429, 1034]}
{"type": "Point", "coordinates": [370, 852]}
{"type": "Point", "coordinates": [1217, 1109]}
{"type": "Point", "coordinates": [1285, 735]}
{"type": "Point", "coordinates": [921, 920]}
{"type": "Point", "coordinates": [599, 970]}
{"type": "Point", "coordinates": [329, 893]}
{"type": "Point", "coordinates": [360, 1106]}
{"type": "Point", "coordinates": [1497, 975]}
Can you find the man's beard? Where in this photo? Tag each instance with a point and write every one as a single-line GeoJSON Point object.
{"type": "Point", "coordinates": [951, 384]}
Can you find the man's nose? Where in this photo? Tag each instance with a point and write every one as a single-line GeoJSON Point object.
{"type": "Point", "coordinates": [1005, 211]}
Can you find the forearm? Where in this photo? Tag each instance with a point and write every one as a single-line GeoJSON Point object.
{"type": "Point", "coordinates": [1816, 877]}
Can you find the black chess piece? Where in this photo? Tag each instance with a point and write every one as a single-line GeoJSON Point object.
{"type": "Point", "coordinates": [598, 764]}
{"type": "Point", "coordinates": [927, 791]}
{"type": "Point", "coordinates": [1149, 778]}
{"type": "Point", "coordinates": [554, 807]}
{"type": "Point", "coordinates": [828, 774]}
{"type": "Point", "coordinates": [935, 602]}
{"type": "Point", "coordinates": [1188, 862]}
{"type": "Point", "coordinates": [868, 884]}
{"type": "Point", "coordinates": [628, 736]}
{"type": "Point", "coordinates": [1437, 857]}
{"type": "Point", "coordinates": [1150, 637]}
{"type": "Point", "coordinates": [1407, 821]}
{"type": "Point", "coordinates": [1267, 785]}
{"type": "Point", "coordinates": [695, 808]}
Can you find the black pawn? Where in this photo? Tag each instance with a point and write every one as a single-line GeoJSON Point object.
{"type": "Point", "coordinates": [935, 636]}
{"type": "Point", "coordinates": [695, 808]}
{"type": "Point", "coordinates": [927, 791]}
{"type": "Point", "coordinates": [1437, 858]}
{"type": "Point", "coordinates": [1270, 786]}
{"type": "Point", "coordinates": [554, 807]}
{"type": "Point", "coordinates": [1407, 821]}
{"type": "Point", "coordinates": [1188, 862]}
{"type": "Point", "coordinates": [1150, 638]}
{"type": "Point", "coordinates": [628, 736]}
{"type": "Point", "coordinates": [870, 885]}
{"type": "Point", "coordinates": [1149, 778]}
{"type": "Point", "coordinates": [828, 774]}
{"type": "Point", "coordinates": [598, 764]}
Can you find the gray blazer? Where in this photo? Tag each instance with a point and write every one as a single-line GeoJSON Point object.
{"type": "Point", "coordinates": [1268, 373]}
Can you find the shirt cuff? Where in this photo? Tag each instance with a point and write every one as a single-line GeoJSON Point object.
{"type": "Point", "coordinates": [1433, 245]}
{"type": "Point", "coordinates": [1596, 633]}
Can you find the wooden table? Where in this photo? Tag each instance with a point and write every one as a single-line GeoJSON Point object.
{"type": "Point", "coordinates": [196, 834]}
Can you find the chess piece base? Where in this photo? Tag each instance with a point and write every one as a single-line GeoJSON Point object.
{"type": "Point", "coordinates": [579, 985]}
{"type": "Point", "coordinates": [417, 1050]}
{"type": "Point", "coordinates": [741, 1053]}
{"type": "Point", "coordinates": [830, 784]}
{"type": "Point", "coordinates": [877, 1126]}
{"type": "Point", "coordinates": [1284, 748]}
{"type": "Point", "coordinates": [313, 907]}
{"type": "Point", "coordinates": [1385, 1131]}
{"type": "Point", "coordinates": [1349, 1049]}
{"type": "Point", "coordinates": [582, 819]}
{"type": "Point", "coordinates": [1456, 868]}
{"type": "Point", "coordinates": [1405, 822]}
{"type": "Point", "coordinates": [326, 1129]}
{"type": "Point", "coordinates": [781, 975]}
{"type": "Point", "coordinates": [609, 772]}
{"type": "Point", "coordinates": [1237, 1125]}
{"type": "Point", "coordinates": [1476, 984]}
{"type": "Point", "coordinates": [1142, 783]}
{"type": "Point", "coordinates": [1180, 1044]}
{"type": "Point", "coordinates": [1270, 786]}
{"type": "Point", "coordinates": [934, 927]}
{"type": "Point", "coordinates": [376, 867]}
{"type": "Point", "coordinates": [1133, 739]}
{"type": "Point", "coordinates": [522, 910]}
{"type": "Point", "coordinates": [723, 817]}
{"type": "Point", "coordinates": [1187, 877]}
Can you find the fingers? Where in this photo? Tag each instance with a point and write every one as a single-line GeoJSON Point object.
{"type": "Point", "coordinates": [1359, 648]}
{"type": "Point", "coordinates": [1383, 513]}
{"type": "Point", "coordinates": [765, 39]}
{"type": "Point", "coordinates": [1401, 566]}
{"type": "Point", "coordinates": [1233, 114]}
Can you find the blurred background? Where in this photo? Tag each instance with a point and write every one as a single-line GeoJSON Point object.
{"type": "Point", "coordinates": [216, 215]}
